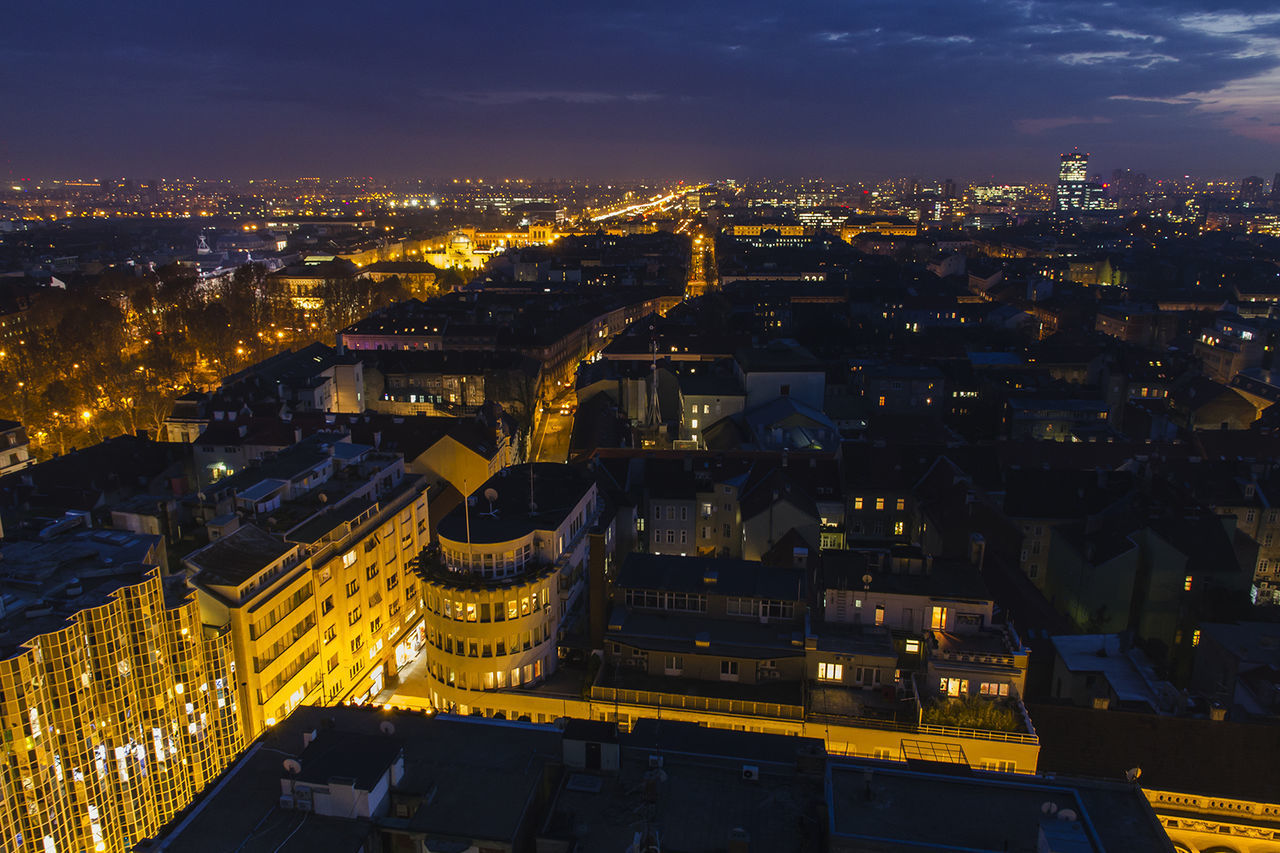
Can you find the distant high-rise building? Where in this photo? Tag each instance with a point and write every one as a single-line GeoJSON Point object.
{"type": "Point", "coordinates": [1253, 188]}
{"type": "Point", "coordinates": [1075, 192]}
{"type": "Point", "coordinates": [1275, 187]}
{"type": "Point", "coordinates": [1074, 168]}
{"type": "Point", "coordinates": [948, 189]}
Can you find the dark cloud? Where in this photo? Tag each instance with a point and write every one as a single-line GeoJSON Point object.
{"type": "Point", "coordinates": [964, 87]}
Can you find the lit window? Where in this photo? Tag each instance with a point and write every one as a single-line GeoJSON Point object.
{"type": "Point", "coordinates": [902, 504]}
{"type": "Point", "coordinates": [938, 619]}
{"type": "Point", "coordinates": [830, 672]}
{"type": "Point", "coordinates": [693, 424]}
{"type": "Point", "coordinates": [1186, 583]}
{"type": "Point", "coordinates": [882, 401]}
{"type": "Point", "coordinates": [879, 503]}
{"type": "Point", "coordinates": [857, 503]}
{"type": "Point", "coordinates": [898, 527]}
{"type": "Point", "coordinates": [913, 647]}
{"type": "Point", "coordinates": [1195, 637]}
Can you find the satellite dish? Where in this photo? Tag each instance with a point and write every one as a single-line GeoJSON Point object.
{"type": "Point", "coordinates": [866, 579]}
{"type": "Point", "coordinates": [387, 727]}
{"type": "Point", "coordinates": [1048, 808]}
{"type": "Point", "coordinates": [1133, 774]}
{"type": "Point", "coordinates": [491, 495]}
{"type": "Point", "coordinates": [1067, 814]}
{"type": "Point", "coordinates": [292, 766]}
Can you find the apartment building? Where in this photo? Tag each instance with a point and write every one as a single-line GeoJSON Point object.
{"type": "Point", "coordinates": [891, 672]}
{"type": "Point", "coordinates": [313, 575]}
{"type": "Point", "coordinates": [734, 504]}
{"type": "Point", "coordinates": [14, 447]}
{"type": "Point", "coordinates": [116, 705]}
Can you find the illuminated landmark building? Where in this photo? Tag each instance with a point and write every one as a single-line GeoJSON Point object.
{"type": "Point", "coordinates": [511, 573]}
{"type": "Point", "coordinates": [116, 705]}
{"type": "Point", "coordinates": [1075, 192]}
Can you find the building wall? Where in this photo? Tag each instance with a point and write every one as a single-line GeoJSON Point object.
{"type": "Point", "coordinates": [335, 625]}
{"type": "Point", "coordinates": [1204, 824]}
{"type": "Point", "coordinates": [702, 410]}
{"type": "Point", "coordinates": [491, 638]}
{"type": "Point", "coordinates": [113, 724]}
{"type": "Point", "coordinates": [673, 526]}
{"type": "Point", "coordinates": [460, 466]}
{"type": "Point", "coordinates": [534, 582]}
{"type": "Point", "coordinates": [761, 532]}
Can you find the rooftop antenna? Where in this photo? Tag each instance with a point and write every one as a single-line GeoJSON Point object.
{"type": "Point", "coordinates": [533, 504]}
{"type": "Point", "coordinates": [466, 515]}
{"type": "Point", "coordinates": [654, 413]}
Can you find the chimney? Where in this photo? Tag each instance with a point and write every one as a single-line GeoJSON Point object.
{"type": "Point", "coordinates": [597, 589]}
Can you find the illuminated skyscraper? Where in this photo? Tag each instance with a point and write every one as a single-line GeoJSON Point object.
{"type": "Point", "coordinates": [1074, 190]}
{"type": "Point", "coordinates": [1074, 168]}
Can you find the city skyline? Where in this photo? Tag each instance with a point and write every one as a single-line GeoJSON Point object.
{"type": "Point", "coordinates": [964, 90]}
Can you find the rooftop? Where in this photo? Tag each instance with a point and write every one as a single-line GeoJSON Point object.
{"type": "Point", "coordinates": [483, 774]}
{"type": "Point", "coordinates": [238, 556]}
{"type": "Point", "coordinates": [744, 578]}
{"type": "Point", "coordinates": [556, 490]}
{"type": "Point", "coordinates": [880, 807]}
{"type": "Point", "coordinates": [698, 800]}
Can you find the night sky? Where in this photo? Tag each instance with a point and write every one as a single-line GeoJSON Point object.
{"type": "Point", "coordinates": [956, 88]}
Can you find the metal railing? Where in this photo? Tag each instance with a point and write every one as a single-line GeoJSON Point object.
{"type": "Point", "coordinates": [676, 701]}
{"type": "Point", "coordinates": [977, 734]}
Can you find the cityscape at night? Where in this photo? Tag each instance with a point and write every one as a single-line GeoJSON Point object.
{"type": "Point", "coordinates": [698, 428]}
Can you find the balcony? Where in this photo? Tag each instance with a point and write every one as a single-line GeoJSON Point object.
{"type": "Point", "coordinates": [772, 700]}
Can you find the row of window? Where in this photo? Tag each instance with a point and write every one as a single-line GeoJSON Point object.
{"type": "Point", "coordinates": [492, 563]}
{"type": "Point", "coordinates": [471, 611]}
{"type": "Point", "coordinates": [763, 608]}
{"type": "Point", "coordinates": [495, 680]}
{"type": "Point", "coordinates": [690, 602]}
{"type": "Point", "coordinates": [901, 505]}
{"type": "Point", "coordinates": [466, 647]}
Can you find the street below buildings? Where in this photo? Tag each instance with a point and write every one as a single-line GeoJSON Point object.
{"type": "Point", "coordinates": [554, 428]}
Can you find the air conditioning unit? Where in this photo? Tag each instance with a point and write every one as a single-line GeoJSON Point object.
{"type": "Point", "coordinates": [286, 802]}
{"type": "Point", "coordinates": [750, 773]}
{"type": "Point", "coordinates": [655, 761]}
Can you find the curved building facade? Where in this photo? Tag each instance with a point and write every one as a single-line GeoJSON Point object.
{"type": "Point", "coordinates": [510, 574]}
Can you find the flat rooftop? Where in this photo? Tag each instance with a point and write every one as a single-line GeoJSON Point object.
{"type": "Point", "coordinates": [483, 773]}
{"type": "Point", "coordinates": [879, 807]}
{"type": "Point", "coordinates": [556, 490]}
{"type": "Point", "coordinates": [238, 556]}
{"type": "Point", "coordinates": [697, 800]}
